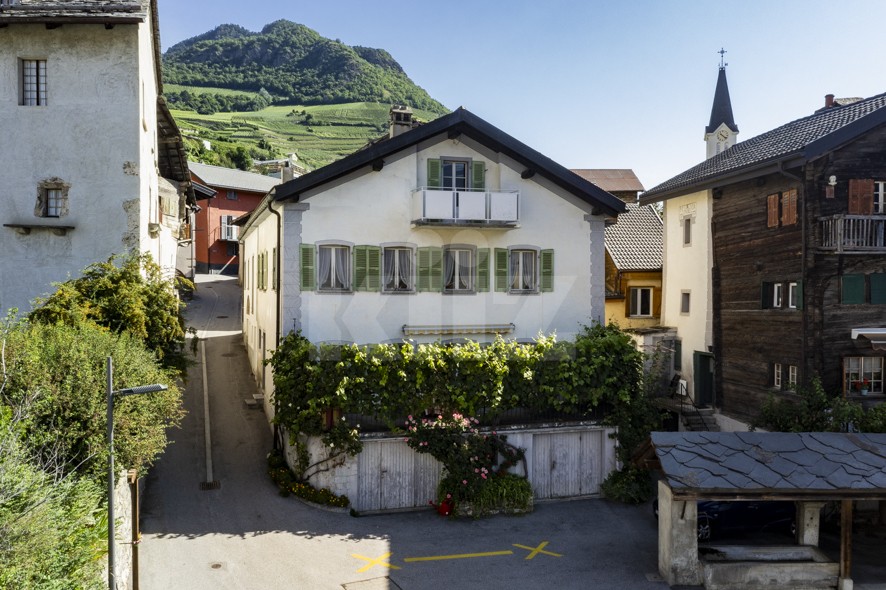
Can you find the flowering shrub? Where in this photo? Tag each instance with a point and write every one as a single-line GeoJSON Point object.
{"type": "Point", "coordinates": [287, 483]}
{"type": "Point", "coordinates": [471, 459]}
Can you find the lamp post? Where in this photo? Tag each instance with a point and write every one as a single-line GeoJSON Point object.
{"type": "Point", "coordinates": [111, 479]}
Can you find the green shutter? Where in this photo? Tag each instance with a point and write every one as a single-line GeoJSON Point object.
{"type": "Point", "coordinates": [501, 270]}
{"type": "Point", "coordinates": [853, 289]}
{"type": "Point", "coordinates": [547, 271]}
{"type": "Point", "coordinates": [878, 288]}
{"type": "Point", "coordinates": [435, 173]}
{"type": "Point", "coordinates": [430, 269]}
{"type": "Point", "coordinates": [478, 175]}
{"type": "Point", "coordinates": [799, 294]}
{"type": "Point", "coordinates": [766, 295]}
{"type": "Point", "coordinates": [373, 263]}
{"type": "Point", "coordinates": [482, 270]}
{"type": "Point", "coordinates": [360, 268]}
{"type": "Point", "coordinates": [307, 267]}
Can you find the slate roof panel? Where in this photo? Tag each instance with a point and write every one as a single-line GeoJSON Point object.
{"type": "Point", "coordinates": [78, 10]}
{"type": "Point", "coordinates": [635, 241]}
{"type": "Point", "coordinates": [611, 179]}
{"type": "Point", "coordinates": [232, 178]}
{"type": "Point", "coordinates": [771, 146]}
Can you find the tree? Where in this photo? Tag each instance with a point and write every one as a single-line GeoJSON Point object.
{"type": "Point", "coordinates": [124, 294]}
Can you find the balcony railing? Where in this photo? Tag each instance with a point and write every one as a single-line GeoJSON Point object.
{"type": "Point", "coordinates": [433, 206]}
{"type": "Point", "coordinates": [853, 233]}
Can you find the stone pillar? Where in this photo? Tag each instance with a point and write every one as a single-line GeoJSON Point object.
{"type": "Point", "coordinates": [677, 539]}
{"type": "Point", "coordinates": [808, 522]}
{"type": "Point", "coordinates": [290, 277]}
{"type": "Point", "coordinates": [598, 268]}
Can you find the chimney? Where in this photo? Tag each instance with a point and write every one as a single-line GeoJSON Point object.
{"type": "Point", "coordinates": [401, 119]}
{"type": "Point", "coordinates": [828, 101]}
{"type": "Point", "coordinates": [286, 172]}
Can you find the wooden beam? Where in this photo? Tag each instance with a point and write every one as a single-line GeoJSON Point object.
{"type": "Point", "coordinates": [846, 539]}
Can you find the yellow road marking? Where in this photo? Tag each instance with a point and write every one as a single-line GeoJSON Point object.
{"type": "Point", "coordinates": [533, 551]}
{"type": "Point", "coordinates": [457, 556]}
{"type": "Point", "coordinates": [373, 562]}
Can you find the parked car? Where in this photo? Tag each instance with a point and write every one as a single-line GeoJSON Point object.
{"type": "Point", "coordinates": [716, 518]}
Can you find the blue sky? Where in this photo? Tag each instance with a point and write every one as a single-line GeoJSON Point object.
{"type": "Point", "coordinates": [598, 84]}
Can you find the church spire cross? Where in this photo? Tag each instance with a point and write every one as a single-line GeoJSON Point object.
{"type": "Point", "coordinates": [723, 64]}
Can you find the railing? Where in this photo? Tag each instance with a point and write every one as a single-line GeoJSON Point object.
{"type": "Point", "coordinates": [853, 233]}
{"type": "Point", "coordinates": [434, 206]}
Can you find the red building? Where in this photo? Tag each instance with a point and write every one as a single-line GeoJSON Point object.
{"type": "Point", "coordinates": [215, 247]}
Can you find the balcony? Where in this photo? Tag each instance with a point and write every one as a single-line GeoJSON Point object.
{"type": "Point", "coordinates": [496, 209]}
{"type": "Point", "coordinates": [853, 233]}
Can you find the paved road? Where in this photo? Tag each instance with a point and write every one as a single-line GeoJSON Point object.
{"type": "Point", "coordinates": [243, 535]}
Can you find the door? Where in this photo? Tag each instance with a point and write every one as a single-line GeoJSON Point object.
{"type": "Point", "coordinates": [703, 366]}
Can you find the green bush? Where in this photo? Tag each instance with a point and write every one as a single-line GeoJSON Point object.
{"type": "Point", "coordinates": [630, 485]}
{"type": "Point", "coordinates": [287, 482]}
{"type": "Point", "coordinates": [814, 410]}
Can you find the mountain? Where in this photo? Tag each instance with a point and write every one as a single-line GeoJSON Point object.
{"type": "Point", "coordinates": [295, 65]}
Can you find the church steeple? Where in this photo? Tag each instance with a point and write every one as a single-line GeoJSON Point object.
{"type": "Point", "coordinates": [720, 134]}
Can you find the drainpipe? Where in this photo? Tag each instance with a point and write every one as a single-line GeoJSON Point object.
{"type": "Point", "coordinates": [801, 199]}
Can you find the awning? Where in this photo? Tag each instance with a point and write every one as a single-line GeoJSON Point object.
{"type": "Point", "coordinates": [877, 336]}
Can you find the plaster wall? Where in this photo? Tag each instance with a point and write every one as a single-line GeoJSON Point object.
{"type": "Point", "coordinates": [687, 268]}
{"type": "Point", "coordinates": [377, 208]}
{"type": "Point", "coordinates": [94, 134]}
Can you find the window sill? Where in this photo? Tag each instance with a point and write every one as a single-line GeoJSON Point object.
{"type": "Point", "coordinates": [400, 292]}
{"type": "Point", "coordinates": [335, 291]}
{"type": "Point", "coordinates": [524, 292]}
{"type": "Point", "coordinates": [465, 292]}
{"type": "Point", "coordinates": [25, 229]}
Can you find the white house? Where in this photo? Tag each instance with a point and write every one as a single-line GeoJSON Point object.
{"type": "Point", "coordinates": [447, 230]}
{"type": "Point", "coordinates": [93, 163]}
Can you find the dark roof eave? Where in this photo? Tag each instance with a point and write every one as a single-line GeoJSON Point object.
{"type": "Point", "coordinates": [844, 135]}
{"type": "Point", "coordinates": [737, 175]}
{"type": "Point", "coordinates": [460, 122]}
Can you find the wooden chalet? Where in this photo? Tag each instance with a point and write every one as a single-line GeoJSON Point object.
{"type": "Point", "coordinates": [798, 230]}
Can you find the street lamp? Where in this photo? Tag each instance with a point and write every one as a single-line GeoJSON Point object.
{"type": "Point", "coordinates": [111, 479]}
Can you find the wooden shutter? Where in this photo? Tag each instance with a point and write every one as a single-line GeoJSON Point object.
{"type": "Point", "coordinates": [482, 270]}
{"type": "Point", "coordinates": [430, 269]}
{"type": "Point", "coordinates": [772, 210]}
{"type": "Point", "coordinates": [547, 271]}
{"type": "Point", "coordinates": [852, 289]}
{"type": "Point", "coordinates": [435, 173]}
{"type": "Point", "coordinates": [789, 207]}
{"type": "Point", "coordinates": [367, 274]}
{"type": "Point", "coordinates": [861, 196]}
{"type": "Point", "coordinates": [501, 270]}
{"type": "Point", "coordinates": [307, 267]}
{"type": "Point", "coordinates": [274, 269]}
{"type": "Point", "coordinates": [656, 302]}
{"type": "Point", "coordinates": [478, 175]}
{"type": "Point", "coordinates": [878, 288]}
{"type": "Point", "coordinates": [766, 295]}
{"type": "Point", "coordinates": [799, 289]}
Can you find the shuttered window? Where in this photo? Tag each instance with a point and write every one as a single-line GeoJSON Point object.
{"type": "Point", "coordinates": [478, 175]}
{"type": "Point", "coordinates": [878, 288]}
{"type": "Point", "coordinates": [434, 173]}
{"type": "Point", "coordinates": [307, 267]}
{"type": "Point", "coordinates": [795, 295]}
{"type": "Point", "coordinates": [367, 268]}
{"type": "Point", "coordinates": [852, 289]}
{"type": "Point", "coordinates": [861, 196]}
{"type": "Point", "coordinates": [772, 210]}
{"type": "Point", "coordinates": [789, 207]}
{"type": "Point", "coordinates": [501, 270]}
{"type": "Point", "coordinates": [547, 271]}
{"type": "Point", "coordinates": [457, 174]}
{"type": "Point", "coordinates": [483, 270]}
{"type": "Point", "coordinates": [430, 269]}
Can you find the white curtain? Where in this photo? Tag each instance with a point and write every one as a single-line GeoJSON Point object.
{"type": "Point", "coordinates": [405, 268]}
{"type": "Point", "coordinates": [342, 268]}
{"type": "Point", "coordinates": [449, 269]}
{"type": "Point", "coordinates": [515, 270]}
{"type": "Point", "coordinates": [528, 270]}
{"type": "Point", "coordinates": [464, 269]}
{"type": "Point", "coordinates": [388, 269]}
{"type": "Point", "coordinates": [323, 267]}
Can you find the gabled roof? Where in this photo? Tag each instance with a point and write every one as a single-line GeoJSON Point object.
{"type": "Point", "coordinates": [824, 465]}
{"type": "Point", "coordinates": [613, 180]}
{"type": "Point", "coordinates": [721, 110]}
{"type": "Point", "coordinates": [459, 122]}
{"type": "Point", "coordinates": [74, 11]}
{"type": "Point", "coordinates": [787, 146]}
{"type": "Point", "coordinates": [634, 242]}
{"type": "Point", "coordinates": [232, 178]}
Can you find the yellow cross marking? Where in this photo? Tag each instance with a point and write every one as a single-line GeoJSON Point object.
{"type": "Point", "coordinates": [533, 551]}
{"type": "Point", "coordinates": [373, 562]}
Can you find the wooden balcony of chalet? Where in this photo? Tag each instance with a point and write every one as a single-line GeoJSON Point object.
{"type": "Point", "coordinates": [853, 233]}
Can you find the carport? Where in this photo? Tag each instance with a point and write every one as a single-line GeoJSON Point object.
{"type": "Point", "coordinates": [807, 468]}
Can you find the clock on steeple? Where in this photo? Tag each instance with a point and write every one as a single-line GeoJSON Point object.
{"type": "Point", "coordinates": [720, 134]}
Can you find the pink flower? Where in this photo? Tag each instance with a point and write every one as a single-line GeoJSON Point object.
{"type": "Point", "coordinates": [409, 417]}
{"type": "Point", "coordinates": [464, 481]}
{"type": "Point", "coordinates": [476, 471]}
{"type": "Point", "coordinates": [483, 475]}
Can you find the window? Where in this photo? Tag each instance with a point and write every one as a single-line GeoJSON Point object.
{"type": "Point", "coordinates": [684, 302]}
{"type": "Point", "coordinates": [33, 82]}
{"type": "Point", "coordinates": [792, 376]}
{"type": "Point", "coordinates": [878, 288]}
{"type": "Point", "coordinates": [231, 195]}
{"type": "Point", "coordinates": [785, 204]}
{"type": "Point", "coordinates": [523, 271]}
{"type": "Point", "coordinates": [457, 174]}
{"type": "Point", "coordinates": [687, 231]}
{"type": "Point", "coordinates": [274, 269]}
{"type": "Point", "coordinates": [777, 300]}
{"type": "Point", "coordinates": [880, 197]}
{"type": "Point", "coordinates": [776, 375]}
{"type": "Point", "coordinates": [641, 302]}
{"type": "Point", "coordinates": [334, 268]}
{"type": "Point", "coordinates": [863, 372]}
{"type": "Point", "coordinates": [793, 295]}
{"type": "Point", "coordinates": [232, 248]}
{"type": "Point", "coordinates": [229, 231]}
{"type": "Point", "coordinates": [397, 270]}
{"type": "Point", "coordinates": [458, 270]}
{"type": "Point", "coordinates": [52, 198]}
{"type": "Point", "coordinates": [52, 202]}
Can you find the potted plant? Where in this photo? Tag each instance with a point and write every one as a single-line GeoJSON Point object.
{"type": "Point", "coordinates": [862, 386]}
